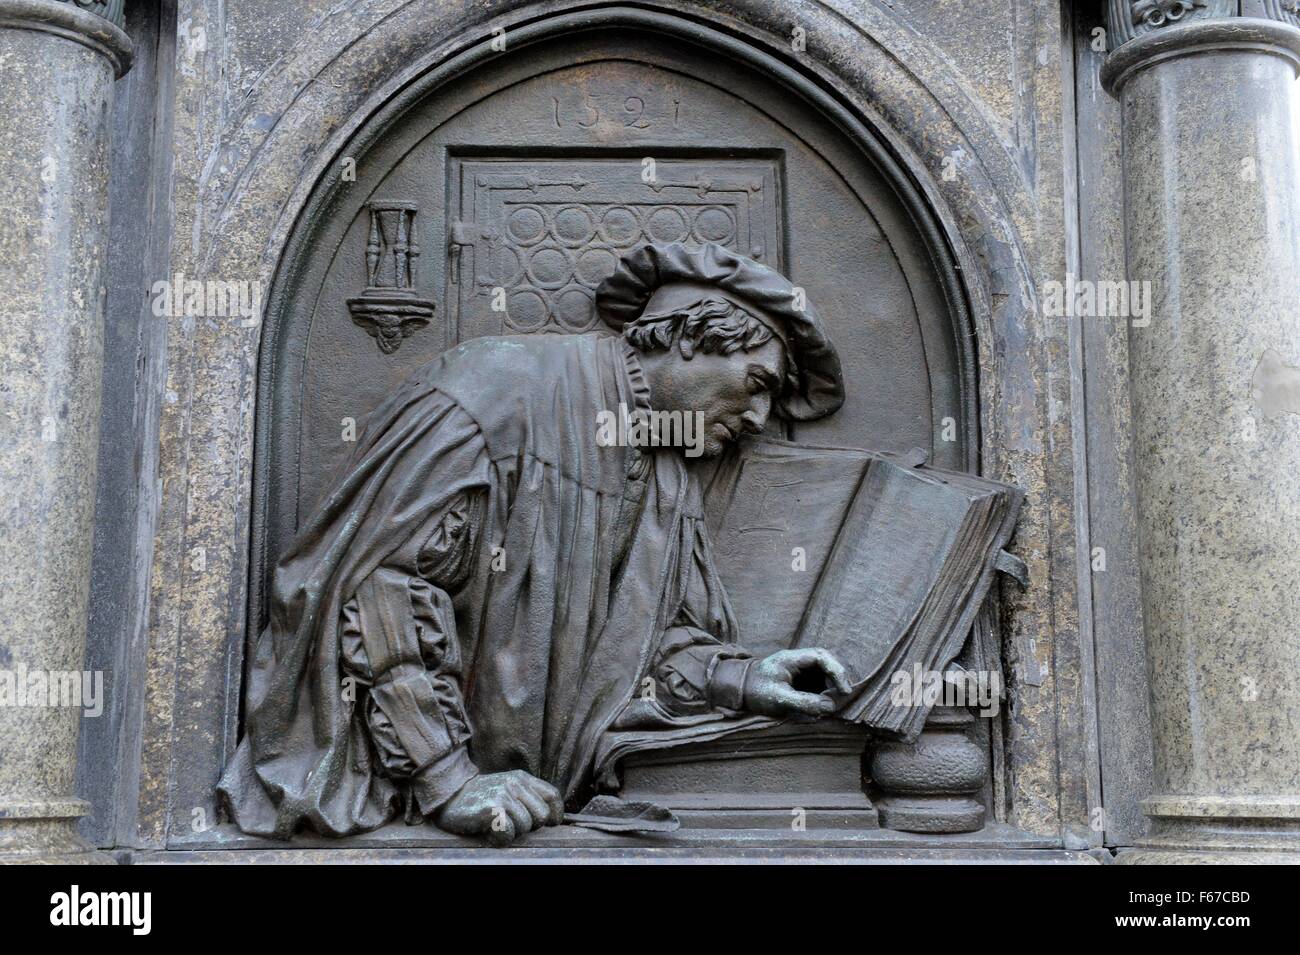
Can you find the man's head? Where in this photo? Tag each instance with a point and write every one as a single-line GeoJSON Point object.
{"type": "Point", "coordinates": [722, 334]}
{"type": "Point", "coordinates": [709, 356]}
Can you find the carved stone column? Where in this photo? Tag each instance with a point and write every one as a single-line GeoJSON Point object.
{"type": "Point", "coordinates": [58, 63]}
{"type": "Point", "coordinates": [1212, 222]}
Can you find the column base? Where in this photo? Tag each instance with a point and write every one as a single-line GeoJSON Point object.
{"type": "Point", "coordinates": [1144, 855]}
{"type": "Point", "coordinates": [44, 832]}
{"type": "Point", "coordinates": [1219, 830]}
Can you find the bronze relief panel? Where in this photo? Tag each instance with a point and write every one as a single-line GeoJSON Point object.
{"type": "Point", "coordinates": [527, 202]}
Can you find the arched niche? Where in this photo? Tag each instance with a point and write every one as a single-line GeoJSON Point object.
{"type": "Point", "coordinates": [267, 183]}
{"type": "Point", "coordinates": [531, 169]}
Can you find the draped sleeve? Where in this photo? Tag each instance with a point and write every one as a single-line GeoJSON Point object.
{"type": "Point", "coordinates": [401, 651]}
{"type": "Point", "coordinates": [698, 666]}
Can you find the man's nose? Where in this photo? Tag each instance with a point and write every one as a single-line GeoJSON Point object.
{"type": "Point", "coordinates": [754, 419]}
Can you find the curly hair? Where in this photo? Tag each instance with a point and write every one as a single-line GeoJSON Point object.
{"type": "Point", "coordinates": [711, 324]}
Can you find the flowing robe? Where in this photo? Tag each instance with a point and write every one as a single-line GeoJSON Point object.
{"type": "Point", "coordinates": [485, 588]}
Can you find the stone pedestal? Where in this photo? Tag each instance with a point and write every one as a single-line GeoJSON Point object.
{"type": "Point", "coordinates": [792, 777]}
{"type": "Point", "coordinates": [932, 784]}
{"type": "Point", "coordinates": [58, 63]}
{"type": "Point", "coordinates": [1213, 223]}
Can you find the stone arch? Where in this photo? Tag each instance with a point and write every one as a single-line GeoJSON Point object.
{"type": "Point", "coordinates": [266, 173]}
{"type": "Point", "coordinates": [283, 353]}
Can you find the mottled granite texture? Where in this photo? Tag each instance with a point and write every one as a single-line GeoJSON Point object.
{"type": "Point", "coordinates": [58, 64]}
{"type": "Point", "coordinates": [1212, 221]}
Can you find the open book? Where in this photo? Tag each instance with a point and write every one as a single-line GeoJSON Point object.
{"type": "Point", "coordinates": [882, 563]}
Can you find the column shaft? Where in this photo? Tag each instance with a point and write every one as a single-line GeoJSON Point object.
{"type": "Point", "coordinates": [1212, 210]}
{"type": "Point", "coordinates": [58, 64]}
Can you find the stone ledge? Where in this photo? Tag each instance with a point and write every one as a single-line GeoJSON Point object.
{"type": "Point", "coordinates": [1144, 855]}
{"type": "Point", "coordinates": [398, 836]}
{"type": "Point", "coordinates": [1280, 807]}
{"type": "Point", "coordinates": [666, 856]}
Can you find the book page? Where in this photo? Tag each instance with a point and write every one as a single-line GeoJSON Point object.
{"type": "Point", "coordinates": [889, 556]}
{"type": "Point", "coordinates": [774, 513]}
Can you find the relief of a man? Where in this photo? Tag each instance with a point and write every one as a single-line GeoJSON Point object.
{"type": "Point", "coordinates": [487, 589]}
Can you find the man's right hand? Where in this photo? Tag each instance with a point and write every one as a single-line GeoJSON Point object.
{"type": "Point", "coordinates": [769, 685]}
{"type": "Point", "coordinates": [501, 806]}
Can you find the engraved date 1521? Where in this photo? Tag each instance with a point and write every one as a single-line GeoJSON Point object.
{"type": "Point", "coordinates": [631, 113]}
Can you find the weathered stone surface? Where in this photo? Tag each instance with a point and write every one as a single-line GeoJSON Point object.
{"type": "Point", "coordinates": [517, 856]}
{"type": "Point", "coordinates": [1210, 175]}
{"type": "Point", "coordinates": [1108, 557]}
{"type": "Point", "coordinates": [241, 181]}
{"type": "Point", "coordinates": [267, 101]}
{"type": "Point", "coordinates": [59, 63]}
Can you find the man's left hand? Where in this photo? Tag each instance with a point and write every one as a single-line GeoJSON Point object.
{"type": "Point", "coordinates": [769, 685]}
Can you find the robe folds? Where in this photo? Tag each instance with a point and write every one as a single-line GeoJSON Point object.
{"type": "Point", "coordinates": [486, 587]}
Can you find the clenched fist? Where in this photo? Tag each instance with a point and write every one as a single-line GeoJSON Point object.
{"type": "Point", "coordinates": [501, 806]}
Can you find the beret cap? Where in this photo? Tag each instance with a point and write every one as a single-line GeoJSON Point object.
{"type": "Point", "coordinates": [769, 296]}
